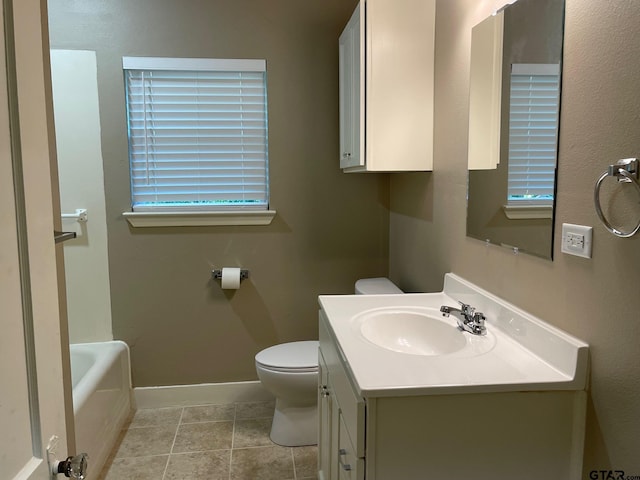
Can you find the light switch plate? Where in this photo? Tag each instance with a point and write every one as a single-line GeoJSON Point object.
{"type": "Point", "coordinates": [576, 240]}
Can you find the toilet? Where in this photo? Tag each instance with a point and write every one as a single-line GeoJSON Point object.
{"type": "Point", "coordinates": [376, 286]}
{"type": "Point", "coordinates": [290, 372]}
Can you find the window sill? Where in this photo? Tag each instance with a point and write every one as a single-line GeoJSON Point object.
{"type": "Point", "coordinates": [199, 219]}
{"type": "Point", "coordinates": [524, 212]}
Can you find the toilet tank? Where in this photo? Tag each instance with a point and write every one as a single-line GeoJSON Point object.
{"type": "Point", "coordinates": [376, 286]}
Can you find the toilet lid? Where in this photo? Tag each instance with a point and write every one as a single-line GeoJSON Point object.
{"type": "Point", "coordinates": [293, 355]}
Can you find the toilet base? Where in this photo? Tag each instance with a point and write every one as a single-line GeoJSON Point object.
{"type": "Point", "coordinates": [294, 426]}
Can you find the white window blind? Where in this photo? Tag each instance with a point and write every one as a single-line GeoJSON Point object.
{"type": "Point", "coordinates": [533, 133]}
{"type": "Point", "coordinates": [197, 134]}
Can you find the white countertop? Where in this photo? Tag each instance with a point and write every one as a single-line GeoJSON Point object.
{"type": "Point", "coordinates": [523, 353]}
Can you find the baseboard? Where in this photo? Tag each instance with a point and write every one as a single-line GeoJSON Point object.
{"type": "Point", "coordinates": [201, 394]}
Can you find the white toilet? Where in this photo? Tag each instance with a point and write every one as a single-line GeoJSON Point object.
{"type": "Point", "coordinates": [290, 372]}
{"type": "Point", "coordinates": [376, 286]}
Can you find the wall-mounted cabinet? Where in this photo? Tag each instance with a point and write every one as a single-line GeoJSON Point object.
{"type": "Point", "coordinates": [386, 87]}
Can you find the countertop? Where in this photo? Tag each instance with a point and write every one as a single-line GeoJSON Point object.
{"type": "Point", "coordinates": [523, 353]}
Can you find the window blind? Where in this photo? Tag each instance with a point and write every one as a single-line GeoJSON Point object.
{"type": "Point", "coordinates": [533, 133]}
{"type": "Point", "coordinates": [197, 133]}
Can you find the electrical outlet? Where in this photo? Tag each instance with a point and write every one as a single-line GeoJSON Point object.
{"type": "Point", "coordinates": [576, 240]}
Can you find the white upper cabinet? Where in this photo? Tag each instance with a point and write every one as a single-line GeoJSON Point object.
{"type": "Point", "coordinates": [386, 87]}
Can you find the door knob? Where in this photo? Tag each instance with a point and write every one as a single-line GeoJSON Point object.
{"type": "Point", "coordinates": [73, 467]}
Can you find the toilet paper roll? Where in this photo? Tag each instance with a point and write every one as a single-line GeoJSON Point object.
{"type": "Point", "coordinates": [230, 278]}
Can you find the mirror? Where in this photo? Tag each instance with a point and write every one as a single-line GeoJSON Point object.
{"type": "Point", "coordinates": [514, 101]}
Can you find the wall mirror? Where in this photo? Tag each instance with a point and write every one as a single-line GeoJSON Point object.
{"type": "Point", "coordinates": [514, 102]}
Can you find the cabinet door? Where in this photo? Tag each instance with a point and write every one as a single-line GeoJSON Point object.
{"type": "Point", "coordinates": [350, 467]}
{"type": "Point", "coordinates": [324, 416]}
{"type": "Point", "coordinates": [352, 91]}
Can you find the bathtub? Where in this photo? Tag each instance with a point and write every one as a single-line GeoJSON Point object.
{"type": "Point", "coordinates": [102, 399]}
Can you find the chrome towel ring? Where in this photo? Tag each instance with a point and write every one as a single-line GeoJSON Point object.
{"type": "Point", "coordinates": [625, 170]}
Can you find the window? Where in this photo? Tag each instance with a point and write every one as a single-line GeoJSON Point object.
{"type": "Point", "coordinates": [533, 133]}
{"type": "Point", "coordinates": [197, 134]}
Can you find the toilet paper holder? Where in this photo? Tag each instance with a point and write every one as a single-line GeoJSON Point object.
{"type": "Point", "coordinates": [217, 274]}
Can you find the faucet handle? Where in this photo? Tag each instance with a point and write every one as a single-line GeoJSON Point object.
{"type": "Point", "coordinates": [466, 308]}
{"type": "Point", "coordinates": [477, 323]}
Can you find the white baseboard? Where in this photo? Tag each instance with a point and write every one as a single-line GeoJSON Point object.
{"type": "Point", "coordinates": [202, 394]}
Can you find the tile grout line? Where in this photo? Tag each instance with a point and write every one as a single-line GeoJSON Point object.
{"type": "Point", "coordinates": [233, 435]}
{"type": "Point", "coordinates": [175, 436]}
{"type": "Point", "coordinates": [293, 462]}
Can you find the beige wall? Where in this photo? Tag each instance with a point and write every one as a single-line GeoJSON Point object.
{"type": "Point", "coordinates": [597, 299]}
{"type": "Point", "coordinates": [330, 229]}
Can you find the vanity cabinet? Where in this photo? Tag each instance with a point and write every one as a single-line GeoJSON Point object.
{"type": "Point", "coordinates": [386, 55]}
{"type": "Point", "coordinates": [493, 435]}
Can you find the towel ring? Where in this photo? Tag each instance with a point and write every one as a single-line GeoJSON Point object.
{"type": "Point", "coordinates": [626, 171]}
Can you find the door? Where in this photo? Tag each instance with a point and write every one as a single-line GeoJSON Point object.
{"type": "Point", "coordinates": [325, 401]}
{"type": "Point", "coordinates": [351, 67]}
{"type": "Point", "coordinates": [32, 401]}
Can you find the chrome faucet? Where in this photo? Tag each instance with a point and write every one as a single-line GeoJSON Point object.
{"type": "Point", "coordinates": [468, 319]}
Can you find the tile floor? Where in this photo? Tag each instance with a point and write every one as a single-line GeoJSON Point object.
{"type": "Point", "coordinates": [209, 442]}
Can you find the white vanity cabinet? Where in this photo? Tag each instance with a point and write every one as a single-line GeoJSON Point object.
{"type": "Point", "coordinates": [386, 86]}
{"type": "Point", "coordinates": [396, 434]}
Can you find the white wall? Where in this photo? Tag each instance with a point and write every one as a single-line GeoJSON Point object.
{"type": "Point", "coordinates": [77, 123]}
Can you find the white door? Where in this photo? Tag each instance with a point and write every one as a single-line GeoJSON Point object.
{"type": "Point", "coordinates": [31, 388]}
{"type": "Point", "coordinates": [351, 66]}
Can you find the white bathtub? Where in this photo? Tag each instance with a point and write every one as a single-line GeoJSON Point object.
{"type": "Point", "coordinates": [100, 375]}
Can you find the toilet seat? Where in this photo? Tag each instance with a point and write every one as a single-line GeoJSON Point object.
{"type": "Point", "coordinates": [295, 357]}
{"type": "Point", "coordinates": [288, 370]}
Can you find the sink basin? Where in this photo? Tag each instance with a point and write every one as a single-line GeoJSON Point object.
{"type": "Point", "coordinates": [412, 332]}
